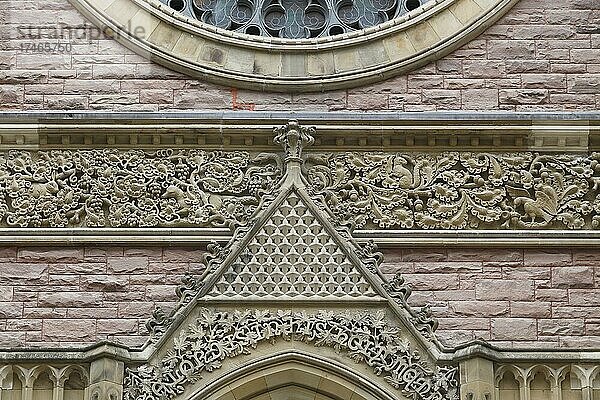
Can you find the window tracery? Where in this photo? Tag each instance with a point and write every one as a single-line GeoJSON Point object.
{"type": "Point", "coordinates": [294, 19]}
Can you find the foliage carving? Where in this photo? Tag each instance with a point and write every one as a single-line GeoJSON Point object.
{"type": "Point", "coordinates": [112, 188]}
{"type": "Point", "coordinates": [367, 190]}
{"type": "Point", "coordinates": [217, 335]}
{"type": "Point", "coordinates": [458, 190]}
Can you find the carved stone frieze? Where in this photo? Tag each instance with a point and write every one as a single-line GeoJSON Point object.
{"type": "Point", "coordinates": [452, 190]}
{"type": "Point", "coordinates": [111, 188]}
{"type": "Point", "coordinates": [459, 190]}
{"type": "Point", "coordinates": [215, 336]}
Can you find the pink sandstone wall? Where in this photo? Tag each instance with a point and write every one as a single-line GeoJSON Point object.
{"type": "Point", "coordinates": [530, 297]}
{"type": "Point", "coordinates": [543, 55]}
{"type": "Point", "coordinates": [60, 296]}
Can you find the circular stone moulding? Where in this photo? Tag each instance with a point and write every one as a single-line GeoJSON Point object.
{"type": "Point", "coordinates": [345, 60]}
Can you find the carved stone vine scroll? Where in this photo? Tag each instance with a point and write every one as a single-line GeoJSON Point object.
{"type": "Point", "coordinates": [459, 190]}
{"type": "Point", "coordinates": [215, 336]}
{"type": "Point", "coordinates": [294, 19]}
{"type": "Point", "coordinates": [112, 188]}
{"type": "Point", "coordinates": [195, 188]}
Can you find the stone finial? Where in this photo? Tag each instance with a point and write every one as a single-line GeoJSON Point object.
{"type": "Point", "coordinates": [293, 138]}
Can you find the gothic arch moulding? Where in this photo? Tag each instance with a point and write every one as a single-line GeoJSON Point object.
{"type": "Point", "coordinates": [292, 375]}
{"type": "Point", "coordinates": [280, 45]}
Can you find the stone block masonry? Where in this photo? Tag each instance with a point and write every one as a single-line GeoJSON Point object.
{"type": "Point", "coordinates": [511, 297]}
{"type": "Point", "coordinates": [541, 56]}
{"type": "Point", "coordinates": [73, 296]}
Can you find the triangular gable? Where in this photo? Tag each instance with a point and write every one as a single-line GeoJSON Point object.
{"type": "Point", "coordinates": [292, 251]}
{"type": "Point", "coordinates": [292, 254]}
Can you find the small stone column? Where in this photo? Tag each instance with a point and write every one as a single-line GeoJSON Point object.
{"type": "Point", "coordinates": [6, 382]}
{"type": "Point", "coordinates": [106, 380]}
{"type": "Point", "coordinates": [477, 379]}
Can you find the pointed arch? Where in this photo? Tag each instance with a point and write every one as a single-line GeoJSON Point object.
{"type": "Point", "coordinates": [293, 370]}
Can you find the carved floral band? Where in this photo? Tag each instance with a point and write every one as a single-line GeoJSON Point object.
{"type": "Point", "coordinates": [195, 188]}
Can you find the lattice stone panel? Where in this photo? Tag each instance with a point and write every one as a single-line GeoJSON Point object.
{"type": "Point", "coordinates": [292, 255]}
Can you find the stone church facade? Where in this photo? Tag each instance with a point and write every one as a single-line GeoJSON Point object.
{"type": "Point", "coordinates": [319, 199]}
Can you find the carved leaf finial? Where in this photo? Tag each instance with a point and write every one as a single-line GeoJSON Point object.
{"type": "Point", "coordinates": [294, 138]}
{"type": "Point", "coordinates": [422, 318]}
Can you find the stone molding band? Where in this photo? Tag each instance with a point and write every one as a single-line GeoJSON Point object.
{"type": "Point", "coordinates": [473, 349]}
{"type": "Point", "coordinates": [439, 131]}
{"type": "Point", "coordinates": [383, 239]}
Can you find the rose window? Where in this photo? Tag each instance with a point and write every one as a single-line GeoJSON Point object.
{"type": "Point", "coordinates": [294, 19]}
{"type": "Point", "coordinates": [294, 46]}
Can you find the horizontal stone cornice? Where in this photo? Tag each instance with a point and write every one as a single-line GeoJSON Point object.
{"type": "Point", "coordinates": [564, 132]}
